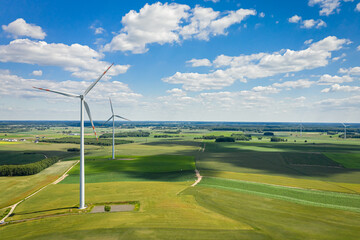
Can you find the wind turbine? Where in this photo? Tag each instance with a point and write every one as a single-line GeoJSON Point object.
{"type": "Point", "coordinates": [82, 104]}
{"type": "Point", "coordinates": [301, 128]}
{"type": "Point", "coordinates": [345, 130]}
{"type": "Point", "coordinates": [113, 120]}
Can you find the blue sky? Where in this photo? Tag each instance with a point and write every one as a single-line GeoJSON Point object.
{"type": "Point", "coordinates": [221, 60]}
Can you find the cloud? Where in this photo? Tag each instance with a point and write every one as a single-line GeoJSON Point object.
{"type": "Point", "coordinates": [266, 89]}
{"type": "Point", "coordinates": [20, 28]}
{"type": "Point", "coordinates": [295, 19]}
{"type": "Point", "coordinates": [313, 23]}
{"type": "Point", "coordinates": [37, 73]}
{"type": "Point", "coordinates": [307, 42]}
{"type": "Point", "coordinates": [261, 14]}
{"type": "Point", "coordinates": [301, 83]}
{"type": "Point", "coordinates": [199, 62]}
{"type": "Point", "coordinates": [328, 7]}
{"type": "Point", "coordinates": [327, 79]}
{"type": "Point", "coordinates": [214, 1]}
{"type": "Point", "coordinates": [357, 8]}
{"type": "Point", "coordinates": [176, 92]}
{"type": "Point", "coordinates": [170, 23]}
{"type": "Point", "coordinates": [199, 82]}
{"type": "Point", "coordinates": [337, 88]}
{"type": "Point", "coordinates": [340, 103]}
{"type": "Point", "coordinates": [259, 65]}
{"type": "Point", "coordinates": [358, 48]}
{"type": "Point", "coordinates": [16, 86]}
{"type": "Point", "coordinates": [310, 23]}
{"type": "Point", "coordinates": [80, 60]}
{"type": "Point", "coordinates": [350, 71]}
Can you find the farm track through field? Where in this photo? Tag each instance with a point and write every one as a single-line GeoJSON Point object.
{"type": "Point", "coordinates": [2, 221]}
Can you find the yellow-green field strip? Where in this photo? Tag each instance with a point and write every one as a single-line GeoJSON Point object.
{"type": "Point", "coordinates": [343, 201]}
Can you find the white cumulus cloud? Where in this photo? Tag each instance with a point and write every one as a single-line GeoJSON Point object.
{"type": "Point", "coordinates": [350, 71]}
{"type": "Point", "coordinates": [309, 23]}
{"type": "Point", "coordinates": [13, 85]}
{"type": "Point", "coordinates": [327, 79]}
{"type": "Point", "coordinates": [301, 83]}
{"type": "Point", "coordinates": [199, 62]}
{"type": "Point", "coordinates": [80, 60]}
{"type": "Point", "coordinates": [337, 88]}
{"type": "Point", "coordinates": [328, 7]}
{"type": "Point", "coordinates": [295, 19]}
{"type": "Point", "coordinates": [170, 23]}
{"type": "Point", "coordinates": [259, 65]}
{"type": "Point", "coordinates": [19, 28]}
{"type": "Point", "coordinates": [37, 73]}
{"type": "Point", "coordinates": [357, 8]}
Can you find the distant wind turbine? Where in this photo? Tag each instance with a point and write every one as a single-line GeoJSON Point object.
{"type": "Point", "coordinates": [345, 126]}
{"type": "Point", "coordinates": [301, 128]}
{"type": "Point", "coordinates": [113, 120]}
{"type": "Point", "coordinates": [82, 104]}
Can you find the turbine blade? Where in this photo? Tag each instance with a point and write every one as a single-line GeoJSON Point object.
{"type": "Point", "coordinates": [122, 117]}
{"type": "Point", "coordinates": [107, 120]}
{"type": "Point", "coordinates": [112, 110]}
{"type": "Point", "coordinates": [61, 93]}
{"type": "Point", "coordinates": [94, 83]}
{"type": "Point", "coordinates": [89, 114]}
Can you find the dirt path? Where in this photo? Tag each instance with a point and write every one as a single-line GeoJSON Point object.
{"type": "Point", "coordinates": [199, 177]}
{"type": "Point", "coordinates": [197, 172]}
{"type": "Point", "coordinates": [2, 221]}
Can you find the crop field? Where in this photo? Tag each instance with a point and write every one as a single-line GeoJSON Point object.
{"type": "Point", "coordinates": [250, 189]}
{"type": "Point", "coordinates": [132, 168]}
{"type": "Point", "coordinates": [16, 158]}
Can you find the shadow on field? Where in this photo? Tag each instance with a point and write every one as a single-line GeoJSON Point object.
{"type": "Point", "coordinates": [295, 160]}
{"type": "Point", "coordinates": [44, 211]}
{"type": "Point", "coordinates": [14, 157]}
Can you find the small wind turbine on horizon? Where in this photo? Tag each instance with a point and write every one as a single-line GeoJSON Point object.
{"type": "Point", "coordinates": [113, 120]}
{"type": "Point", "coordinates": [301, 128]}
{"type": "Point", "coordinates": [82, 104]}
{"type": "Point", "coordinates": [345, 126]}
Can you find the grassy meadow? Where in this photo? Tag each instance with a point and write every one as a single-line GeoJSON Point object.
{"type": "Point", "coordinates": [250, 190]}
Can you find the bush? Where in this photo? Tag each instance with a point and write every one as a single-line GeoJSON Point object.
{"type": "Point", "coordinates": [107, 208]}
{"type": "Point", "coordinates": [277, 139]}
{"type": "Point", "coordinates": [268, 134]}
{"type": "Point", "coordinates": [73, 149]}
{"type": "Point", "coordinates": [225, 139]}
{"type": "Point", "coordinates": [241, 137]}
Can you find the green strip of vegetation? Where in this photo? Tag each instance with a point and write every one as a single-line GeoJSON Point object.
{"type": "Point", "coordinates": [27, 169]}
{"type": "Point", "coordinates": [349, 202]}
{"type": "Point", "coordinates": [87, 141]}
{"type": "Point", "coordinates": [126, 134]}
{"type": "Point", "coordinates": [348, 160]}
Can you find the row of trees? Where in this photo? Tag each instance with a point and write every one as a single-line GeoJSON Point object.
{"type": "Point", "coordinates": [87, 141]}
{"type": "Point", "coordinates": [27, 169]}
{"type": "Point", "coordinates": [127, 134]}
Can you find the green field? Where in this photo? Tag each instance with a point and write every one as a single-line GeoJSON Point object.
{"type": "Point", "coordinates": [250, 190]}
{"type": "Point", "coordinates": [136, 168]}
{"type": "Point", "coordinates": [17, 158]}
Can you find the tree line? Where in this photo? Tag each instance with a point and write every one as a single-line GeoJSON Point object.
{"type": "Point", "coordinates": [126, 134]}
{"type": "Point", "coordinates": [87, 141]}
{"type": "Point", "coordinates": [27, 169]}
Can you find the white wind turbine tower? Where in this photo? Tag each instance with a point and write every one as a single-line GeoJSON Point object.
{"type": "Point", "coordinates": [301, 128]}
{"type": "Point", "coordinates": [113, 120]}
{"type": "Point", "coordinates": [345, 126]}
{"type": "Point", "coordinates": [82, 104]}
